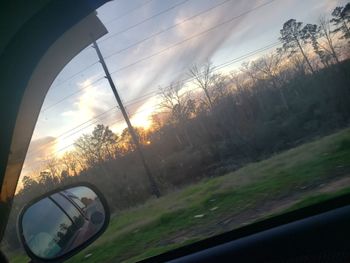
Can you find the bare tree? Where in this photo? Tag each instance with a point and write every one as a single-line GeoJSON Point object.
{"type": "Point", "coordinates": [328, 34]}
{"type": "Point", "coordinates": [71, 163]}
{"type": "Point", "coordinates": [53, 166]}
{"type": "Point", "coordinates": [270, 67]}
{"type": "Point", "coordinates": [298, 64]}
{"type": "Point", "coordinates": [220, 86]}
{"type": "Point", "coordinates": [180, 105]}
{"type": "Point", "coordinates": [47, 180]}
{"type": "Point", "coordinates": [323, 42]}
{"type": "Point", "coordinates": [237, 80]}
{"type": "Point", "coordinates": [203, 78]}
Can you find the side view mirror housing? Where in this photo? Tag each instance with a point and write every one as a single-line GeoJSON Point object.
{"type": "Point", "coordinates": [60, 223]}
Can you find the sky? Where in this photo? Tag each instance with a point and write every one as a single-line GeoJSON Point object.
{"type": "Point", "coordinates": [151, 43]}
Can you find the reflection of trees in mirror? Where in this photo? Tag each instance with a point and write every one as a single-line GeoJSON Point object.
{"type": "Point", "coordinates": [62, 239]}
{"type": "Point", "coordinates": [40, 223]}
{"type": "Point", "coordinates": [78, 221]}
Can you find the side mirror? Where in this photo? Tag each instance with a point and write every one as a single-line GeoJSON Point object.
{"type": "Point", "coordinates": [59, 224]}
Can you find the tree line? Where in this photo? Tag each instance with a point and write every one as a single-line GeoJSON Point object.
{"type": "Point", "coordinates": [220, 123]}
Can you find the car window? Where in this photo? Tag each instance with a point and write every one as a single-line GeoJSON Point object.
{"type": "Point", "coordinates": [74, 213]}
{"type": "Point", "coordinates": [77, 202]}
{"type": "Point", "coordinates": [195, 118]}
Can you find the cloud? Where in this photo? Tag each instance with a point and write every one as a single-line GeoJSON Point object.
{"type": "Point", "coordinates": [328, 6]}
{"type": "Point", "coordinates": [94, 100]}
{"type": "Point", "coordinates": [176, 54]}
{"type": "Point", "coordinates": [39, 150]}
{"type": "Point", "coordinates": [41, 147]}
{"type": "Point", "coordinates": [68, 113]}
{"type": "Point", "coordinates": [168, 56]}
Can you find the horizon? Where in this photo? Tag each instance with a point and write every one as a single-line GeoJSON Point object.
{"type": "Point", "coordinates": [223, 44]}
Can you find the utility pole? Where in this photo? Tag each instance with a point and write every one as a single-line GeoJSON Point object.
{"type": "Point", "coordinates": [154, 187]}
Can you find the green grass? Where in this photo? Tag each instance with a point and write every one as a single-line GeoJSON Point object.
{"type": "Point", "coordinates": [18, 257]}
{"type": "Point", "coordinates": [243, 196]}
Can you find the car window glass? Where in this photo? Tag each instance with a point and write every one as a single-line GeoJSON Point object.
{"type": "Point", "coordinates": [70, 208]}
{"type": "Point", "coordinates": [211, 115]}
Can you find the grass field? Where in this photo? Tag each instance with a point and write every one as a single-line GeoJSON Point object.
{"type": "Point", "coordinates": [299, 177]}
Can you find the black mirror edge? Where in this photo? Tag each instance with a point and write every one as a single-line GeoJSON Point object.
{"type": "Point", "coordinates": [68, 255]}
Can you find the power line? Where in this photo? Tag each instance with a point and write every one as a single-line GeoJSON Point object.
{"type": "Point", "coordinates": [172, 46]}
{"type": "Point", "coordinates": [72, 94]}
{"type": "Point", "coordinates": [100, 117]}
{"type": "Point", "coordinates": [192, 37]}
{"type": "Point", "coordinates": [96, 118]}
{"type": "Point", "coordinates": [89, 66]}
{"type": "Point", "coordinates": [109, 125]}
{"type": "Point", "coordinates": [128, 12]}
{"type": "Point", "coordinates": [143, 21]}
{"type": "Point", "coordinates": [75, 74]}
{"type": "Point", "coordinates": [122, 31]}
{"type": "Point", "coordinates": [154, 187]}
{"type": "Point", "coordinates": [225, 64]}
{"type": "Point", "coordinates": [82, 127]}
{"type": "Point", "coordinates": [220, 66]}
{"type": "Point", "coordinates": [152, 93]}
{"type": "Point", "coordinates": [166, 29]}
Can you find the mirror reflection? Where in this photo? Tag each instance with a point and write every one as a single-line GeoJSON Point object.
{"type": "Point", "coordinates": [62, 221]}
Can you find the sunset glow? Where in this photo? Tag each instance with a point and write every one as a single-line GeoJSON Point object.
{"type": "Point", "coordinates": [76, 104]}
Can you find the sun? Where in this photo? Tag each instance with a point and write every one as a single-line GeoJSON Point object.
{"type": "Point", "coordinates": [63, 145]}
{"type": "Point", "coordinates": [141, 118]}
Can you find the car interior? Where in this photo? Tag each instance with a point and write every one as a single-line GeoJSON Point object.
{"type": "Point", "coordinates": [223, 146]}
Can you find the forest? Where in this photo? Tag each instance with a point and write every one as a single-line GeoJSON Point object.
{"type": "Point", "coordinates": [282, 99]}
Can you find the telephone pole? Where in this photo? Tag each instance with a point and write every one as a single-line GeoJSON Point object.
{"type": "Point", "coordinates": [153, 184]}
